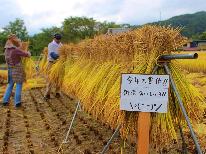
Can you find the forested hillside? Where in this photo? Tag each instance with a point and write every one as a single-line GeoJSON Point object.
{"type": "Point", "coordinates": [194, 24]}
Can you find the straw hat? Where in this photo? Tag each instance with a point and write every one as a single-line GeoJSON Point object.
{"type": "Point", "coordinates": [12, 42]}
{"type": "Point", "coordinates": [10, 36]}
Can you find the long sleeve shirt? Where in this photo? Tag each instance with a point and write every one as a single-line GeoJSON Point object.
{"type": "Point", "coordinates": [13, 56]}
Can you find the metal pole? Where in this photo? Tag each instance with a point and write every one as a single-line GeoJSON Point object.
{"type": "Point", "coordinates": [183, 109]}
{"type": "Point", "coordinates": [66, 138]}
{"type": "Point", "coordinates": [179, 56]}
{"type": "Point", "coordinates": [155, 69]}
{"type": "Point", "coordinates": [111, 139]}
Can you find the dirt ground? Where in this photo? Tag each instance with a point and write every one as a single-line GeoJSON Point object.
{"type": "Point", "coordinates": [40, 127]}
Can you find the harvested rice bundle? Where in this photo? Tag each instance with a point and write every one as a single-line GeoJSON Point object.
{"type": "Point", "coordinates": [43, 62]}
{"type": "Point", "coordinates": [3, 75]}
{"type": "Point", "coordinates": [34, 83]}
{"type": "Point", "coordinates": [28, 63]}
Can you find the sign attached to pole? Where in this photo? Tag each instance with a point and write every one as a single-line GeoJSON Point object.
{"type": "Point", "coordinates": [145, 93]}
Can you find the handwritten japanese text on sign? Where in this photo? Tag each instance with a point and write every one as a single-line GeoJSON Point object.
{"type": "Point", "coordinates": [145, 93]}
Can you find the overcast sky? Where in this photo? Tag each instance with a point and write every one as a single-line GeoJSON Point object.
{"type": "Point", "coordinates": [39, 14]}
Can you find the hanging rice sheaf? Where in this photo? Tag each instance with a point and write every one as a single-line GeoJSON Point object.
{"type": "Point", "coordinates": [29, 67]}
{"type": "Point", "coordinates": [94, 77]}
{"type": "Point", "coordinates": [56, 73]}
{"type": "Point", "coordinates": [43, 62]}
{"type": "Point", "coordinates": [28, 63]}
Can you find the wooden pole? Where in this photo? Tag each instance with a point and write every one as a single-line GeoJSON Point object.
{"type": "Point", "coordinates": [143, 133]}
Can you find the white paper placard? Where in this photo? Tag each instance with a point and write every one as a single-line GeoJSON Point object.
{"type": "Point", "coordinates": [145, 93]}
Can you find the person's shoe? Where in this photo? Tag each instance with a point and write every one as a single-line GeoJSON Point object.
{"type": "Point", "coordinates": [57, 95]}
{"type": "Point", "coordinates": [18, 105]}
{"type": "Point", "coordinates": [47, 97]}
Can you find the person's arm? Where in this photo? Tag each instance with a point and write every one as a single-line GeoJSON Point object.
{"type": "Point", "coordinates": [54, 55]}
{"type": "Point", "coordinates": [22, 53]}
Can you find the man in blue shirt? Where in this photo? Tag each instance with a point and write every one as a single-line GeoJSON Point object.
{"type": "Point", "coordinates": [53, 55]}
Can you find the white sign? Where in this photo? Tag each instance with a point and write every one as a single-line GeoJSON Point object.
{"type": "Point", "coordinates": [145, 93]}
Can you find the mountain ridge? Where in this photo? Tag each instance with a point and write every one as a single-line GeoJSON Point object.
{"type": "Point", "coordinates": [192, 24]}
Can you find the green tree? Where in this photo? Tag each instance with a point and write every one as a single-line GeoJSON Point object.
{"type": "Point", "coordinates": [103, 27]}
{"type": "Point", "coordinates": [3, 38]}
{"type": "Point", "coordinates": [17, 27]}
{"type": "Point", "coordinates": [202, 36]}
{"type": "Point", "coordinates": [42, 39]}
{"type": "Point", "coordinates": [192, 24]}
{"type": "Point", "coordinates": [78, 28]}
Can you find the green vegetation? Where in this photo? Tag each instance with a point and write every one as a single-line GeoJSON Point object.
{"type": "Point", "coordinates": [193, 24]}
{"type": "Point", "coordinates": [16, 27]}
{"type": "Point", "coordinates": [41, 40]}
{"type": "Point", "coordinates": [2, 59]}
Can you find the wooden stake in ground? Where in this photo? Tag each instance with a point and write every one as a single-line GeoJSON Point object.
{"type": "Point", "coordinates": [143, 133]}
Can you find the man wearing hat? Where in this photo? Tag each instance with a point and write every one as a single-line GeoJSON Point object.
{"type": "Point", "coordinates": [53, 55]}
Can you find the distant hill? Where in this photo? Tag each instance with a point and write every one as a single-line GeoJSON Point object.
{"type": "Point", "coordinates": [194, 24]}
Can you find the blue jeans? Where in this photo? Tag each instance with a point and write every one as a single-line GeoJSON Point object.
{"type": "Point", "coordinates": [17, 97]}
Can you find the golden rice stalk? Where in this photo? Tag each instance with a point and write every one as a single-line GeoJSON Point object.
{"type": "Point", "coordinates": [43, 63]}
{"type": "Point", "coordinates": [92, 86]}
{"type": "Point", "coordinates": [34, 83]}
{"type": "Point", "coordinates": [56, 73]}
{"type": "Point", "coordinates": [3, 75]}
{"type": "Point", "coordinates": [28, 63]}
{"type": "Point", "coordinates": [71, 72]}
{"type": "Point", "coordinates": [102, 92]}
{"type": "Point", "coordinates": [78, 82]}
{"type": "Point", "coordinates": [193, 65]}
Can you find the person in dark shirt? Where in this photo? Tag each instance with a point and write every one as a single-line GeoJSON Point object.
{"type": "Point", "coordinates": [16, 74]}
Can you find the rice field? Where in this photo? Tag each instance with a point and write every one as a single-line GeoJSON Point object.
{"type": "Point", "coordinates": [194, 65]}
